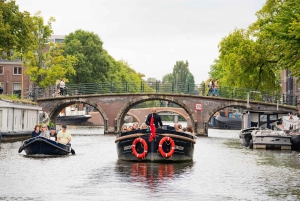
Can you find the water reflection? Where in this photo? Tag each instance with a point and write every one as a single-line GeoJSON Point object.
{"type": "Point", "coordinates": [152, 175]}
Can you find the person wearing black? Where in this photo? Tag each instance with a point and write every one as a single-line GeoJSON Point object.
{"type": "Point", "coordinates": [53, 135]}
{"type": "Point", "coordinates": [157, 119]}
{"type": "Point", "coordinates": [36, 131]}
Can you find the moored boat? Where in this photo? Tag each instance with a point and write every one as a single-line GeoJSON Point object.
{"type": "Point", "coordinates": [230, 120]}
{"type": "Point", "coordinates": [43, 146]}
{"type": "Point", "coordinates": [270, 139]}
{"type": "Point", "coordinates": [168, 145]}
{"type": "Point", "coordinates": [245, 135]}
{"type": "Point", "coordinates": [71, 115]}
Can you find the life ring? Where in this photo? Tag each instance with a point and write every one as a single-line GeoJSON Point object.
{"type": "Point", "coordinates": [133, 147]}
{"type": "Point", "coordinates": [171, 152]}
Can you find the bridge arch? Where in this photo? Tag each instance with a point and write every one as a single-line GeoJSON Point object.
{"type": "Point", "coordinates": [124, 110]}
{"type": "Point", "coordinates": [56, 109]}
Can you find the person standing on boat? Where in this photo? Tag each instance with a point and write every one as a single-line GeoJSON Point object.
{"type": "Point", "coordinates": [156, 117]}
{"type": "Point", "coordinates": [64, 136]}
{"type": "Point", "coordinates": [45, 132]}
{"type": "Point", "coordinates": [36, 131]}
{"type": "Point", "coordinates": [53, 135]}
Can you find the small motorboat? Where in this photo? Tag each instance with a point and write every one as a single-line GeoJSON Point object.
{"type": "Point", "coordinates": [43, 146]}
{"type": "Point", "coordinates": [270, 139]}
{"type": "Point", "coordinates": [168, 145]}
{"type": "Point", "coordinates": [245, 135]}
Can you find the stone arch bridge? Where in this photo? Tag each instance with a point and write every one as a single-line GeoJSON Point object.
{"type": "Point", "coordinates": [114, 107]}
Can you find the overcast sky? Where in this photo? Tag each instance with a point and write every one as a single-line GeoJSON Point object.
{"type": "Point", "coordinates": [151, 35]}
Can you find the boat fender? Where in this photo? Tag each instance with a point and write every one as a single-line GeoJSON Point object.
{"type": "Point", "coordinates": [133, 147]}
{"type": "Point", "coordinates": [226, 126]}
{"type": "Point", "coordinates": [162, 152]}
{"type": "Point", "coordinates": [251, 144]}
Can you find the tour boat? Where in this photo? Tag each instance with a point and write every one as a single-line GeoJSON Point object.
{"type": "Point", "coordinates": [71, 115]}
{"type": "Point", "coordinates": [43, 146]}
{"type": "Point", "coordinates": [270, 139]}
{"type": "Point", "coordinates": [168, 145]}
{"type": "Point", "coordinates": [291, 124]}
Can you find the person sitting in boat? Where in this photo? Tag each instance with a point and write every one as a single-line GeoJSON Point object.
{"type": "Point", "coordinates": [64, 136]}
{"type": "Point", "coordinates": [45, 132]}
{"type": "Point", "coordinates": [143, 126]}
{"type": "Point", "coordinates": [135, 126]}
{"type": "Point", "coordinates": [53, 135]}
{"type": "Point", "coordinates": [129, 128]}
{"type": "Point", "coordinates": [179, 128]}
{"type": "Point", "coordinates": [36, 131]}
{"type": "Point", "coordinates": [124, 129]}
{"type": "Point", "coordinates": [189, 130]}
{"type": "Point", "coordinates": [156, 117]}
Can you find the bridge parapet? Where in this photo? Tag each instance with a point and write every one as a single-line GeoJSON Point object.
{"type": "Point", "coordinates": [114, 107]}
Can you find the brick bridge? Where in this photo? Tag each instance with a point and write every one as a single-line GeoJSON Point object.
{"type": "Point", "coordinates": [114, 107]}
{"type": "Point", "coordinates": [141, 113]}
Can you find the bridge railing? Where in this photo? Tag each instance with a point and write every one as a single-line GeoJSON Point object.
{"type": "Point", "coordinates": [171, 87]}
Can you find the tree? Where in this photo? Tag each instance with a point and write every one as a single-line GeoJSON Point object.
{"type": "Point", "coordinates": [15, 29]}
{"type": "Point", "coordinates": [278, 24]}
{"type": "Point", "coordinates": [94, 62]}
{"type": "Point", "coordinates": [45, 62]}
{"type": "Point", "coordinates": [245, 63]}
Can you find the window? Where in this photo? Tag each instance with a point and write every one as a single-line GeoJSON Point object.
{"type": "Point", "coordinates": [17, 86]}
{"type": "Point", "coordinates": [17, 71]}
{"type": "Point", "coordinates": [1, 70]}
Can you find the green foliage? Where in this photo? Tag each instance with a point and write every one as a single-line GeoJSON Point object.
{"type": "Point", "coordinates": [45, 62]}
{"type": "Point", "coordinates": [278, 24]}
{"type": "Point", "coordinates": [15, 29]}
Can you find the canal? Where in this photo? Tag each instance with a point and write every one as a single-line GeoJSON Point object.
{"type": "Point", "coordinates": [221, 170]}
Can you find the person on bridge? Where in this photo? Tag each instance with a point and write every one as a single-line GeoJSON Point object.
{"type": "Point", "coordinates": [216, 90]}
{"type": "Point", "coordinates": [156, 117]}
{"type": "Point", "coordinates": [64, 136]}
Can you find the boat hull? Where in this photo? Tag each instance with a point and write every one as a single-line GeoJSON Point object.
{"type": "Point", "coordinates": [43, 146]}
{"type": "Point", "coordinates": [183, 148]}
{"type": "Point", "coordinates": [227, 123]}
{"type": "Point", "coordinates": [271, 142]}
{"type": "Point", "coordinates": [295, 142]}
{"type": "Point", "coordinates": [76, 119]}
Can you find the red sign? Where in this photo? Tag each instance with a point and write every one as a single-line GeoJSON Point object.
{"type": "Point", "coordinates": [198, 106]}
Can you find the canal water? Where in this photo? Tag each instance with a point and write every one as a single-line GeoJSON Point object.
{"type": "Point", "coordinates": [221, 170]}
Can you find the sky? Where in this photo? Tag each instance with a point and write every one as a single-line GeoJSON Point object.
{"type": "Point", "coordinates": [151, 35]}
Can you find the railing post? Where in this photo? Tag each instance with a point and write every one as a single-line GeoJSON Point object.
{"type": "Point", "coordinates": [172, 87]}
{"type": "Point", "coordinates": [156, 87]}
{"type": "Point", "coordinates": [126, 87]}
{"type": "Point", "coordinates": [141, 86]}
{"type": "Point", "coordinates": [188, 88]}
{"type": "Point", "coordinates": [111, 87]}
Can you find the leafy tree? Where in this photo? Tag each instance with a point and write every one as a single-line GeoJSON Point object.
{"type": "Point", "coordinates": [278, 24]}
{"type": "Point", "coordinates": [245, 63]}
{"type": "Point", "coordinates": [93, 61]}
{"type": "Point", "coordinates": [45, 62]}
{"type": "Point", "coordinates": [15, 29]}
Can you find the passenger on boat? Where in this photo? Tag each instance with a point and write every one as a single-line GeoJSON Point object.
{"type": "Point", "coordinates": [64, 136]}
{"type": "Point", "coordinates": [36, 131]}
{"type": "Point", "coordinates": [176, 126]}
{"type": "Point", "coordinates": [45, 132]}
{"type": "Point", "coordinates": [129, 128]}
{"type": "Point", "coordinates": [189, 130]}
{"type": "Point", "coordinates": [135, 126]}
{"type": "Point", "coordinates": [144, 126]}
{"type": "Point", "coordinates": [124, 129]}
{"type": "Point", "coordinates": [157, 119]}
{"type": "Point", "coordinates": [179, 128]}
{"type": "Point", "coordinates": [53, 135]}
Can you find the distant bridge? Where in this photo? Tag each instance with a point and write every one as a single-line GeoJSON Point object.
{"type": "Point", "coordinates": [114, 106]}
